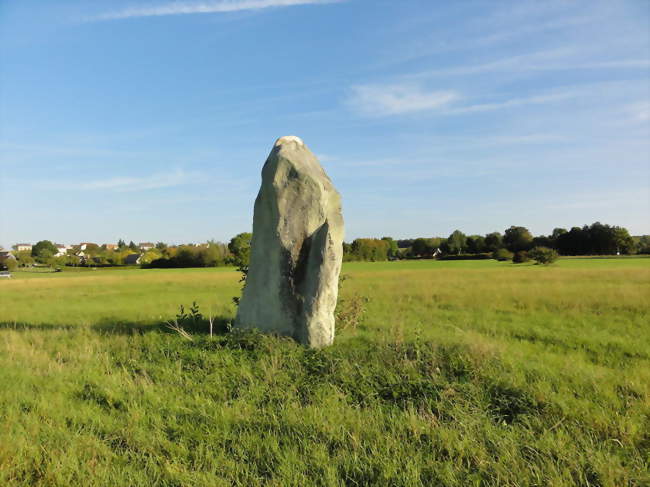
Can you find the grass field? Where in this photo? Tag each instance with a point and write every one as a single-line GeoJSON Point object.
{"type": "Point", "coordinates": [461, 373]}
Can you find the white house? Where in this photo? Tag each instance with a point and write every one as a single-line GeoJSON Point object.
{"type": "Point", "coordinates": [21, 247]}
{"type": "Point", "coordinates": [61, 250]}
{"type": "Point", "coordinates": [144, 246]}
{"type": "Point", "coordinates": [84, 245]}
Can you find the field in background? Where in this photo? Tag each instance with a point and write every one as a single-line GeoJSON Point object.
{"type": "Point", "coordinates": [461, 373]}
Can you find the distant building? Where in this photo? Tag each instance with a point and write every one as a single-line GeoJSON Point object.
{"type": "Point", "coordinates": [110, 246]}
{"type": "Point", "coordinates": [22, 247]}
{"type": "Point", "coordinates": [5, 254]}
{"type": "Point", "coordinates": [61, 250]}
{"type": "Point", "coordinates": [84, 245]}
{"type": "Point", "coordinates": [144, 246]}
{"type": "Point", "coordinates": [133, 259]}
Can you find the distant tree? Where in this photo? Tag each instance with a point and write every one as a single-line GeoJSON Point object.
{"type": "Point", "coordinates": [476, 244]}
{"type": "Point", "coordinates": [502, 255]}
{"type": "Point", "coordinates": [520, 257]}
{"type": "Point", "coordinates": [347, 252]}
{"type": "Point", "coordinates": [595, 239]}
{"type": "Point", "coordinates": [149, 256]}
{"type": "Point", "coordinates": [573, 242]}
{"type": "Point", "coordinates": [213, 255]}
{"type": "Point", "coordinates": [517, 238]}
{"type": "Point", "coordinates": [44, 245]}
{"type": "Point", "coordinates": [240, 248]}
{"type": "Point", "coordinates": [93, 250]}
{"type": "Point", "coordinates": [623, 241]}
{"type": "Point", "coordinates": [405, 243]}
{"type": "Point", "coordinates": [24, 258]}
{"type": "Point", "coordinates": [393, 249]}
{"type": "Point", "coordinates": [121, 244]}
{"type": "Point", "coordinates": [643, 245]}
{"type": "Point", "coordinates": [133, 246]}
{"type": "Point", "coordinates": [423, 247]}
{"type": "Point", "coordinates": [370, 249]}
{"type": "Point", "coordinates": [543, 255]}
{"type": "Point", "coordinates": [556, 235]}
{"type": "Point", "coordinates": [457, 242]}
{"type": "Point", "coordinates": [493, 241]}
{"type": "Point", "coordinates": [161, 245]}
{"type": "Point", "coordinates": [8, 263]}
{"type": "Point", "coordinates": [542, 241]}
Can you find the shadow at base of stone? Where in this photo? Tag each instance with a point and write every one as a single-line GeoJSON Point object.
{"type": "Point", "coordinates": [108, 326]}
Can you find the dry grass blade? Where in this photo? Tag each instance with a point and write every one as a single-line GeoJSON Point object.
{"type": "Point", "coordinates": [174, 326]}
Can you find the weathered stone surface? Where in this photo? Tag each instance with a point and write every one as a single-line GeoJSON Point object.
{"type": "Point", "coordinates": [297, 249]}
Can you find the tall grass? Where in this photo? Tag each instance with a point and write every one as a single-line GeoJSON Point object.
{"type": "Point", "coordinates": [461, 373]}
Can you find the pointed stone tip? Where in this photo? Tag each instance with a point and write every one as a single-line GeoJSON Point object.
{"type": "Point", "coordinates": [289, 138]}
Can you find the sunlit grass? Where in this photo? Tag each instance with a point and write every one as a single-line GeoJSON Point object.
{"type": "Point", "coordinates": [462, 373]}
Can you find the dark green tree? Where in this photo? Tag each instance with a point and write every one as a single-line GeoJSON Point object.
{"type": "Point", "coordinates": [623, 241]}
{"type": "Point", "coordinates": [457, 242]}
{"type": "Point", "coordinates": [424, 247]}
{"type": "Point", "coordinates": [520, 257]}
{"type": "Point", "coordinates": [370, 249]}
{"type": "Point", "coordinates": [517, 238]}
{"type": "Point", "coordinates": [476, 244]}
{"type": "Point", "coordinates": [44, 245]}
{"type": "Point", "coordinates": [393, 249]}
{"type": "Point", "coordinates": [643, 245]}
{"type": "Point", "coordinates": [502, 254]}
{"type": "Point", "coordinates": [493, 241]}
{"type": "Point", "coordinates": [8, 263]}
{"type": "Point", "coordinates": [543, 255]}
{"type": "Point", "coordinates": [240, 248]}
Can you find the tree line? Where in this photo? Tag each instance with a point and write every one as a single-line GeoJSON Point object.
{"type": "Point", "coordinates": [515, 243]}
{"type": "Point", "coordinates": [594, 239]}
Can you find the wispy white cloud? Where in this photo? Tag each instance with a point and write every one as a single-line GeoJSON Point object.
{"type": "Point", "coordinates": [515, 102]}
{"type": "Point", "coordinates": [184, 8]}
{"type": "Point", "coordinates": [548, 60]}
{"type": "Point", "coordinates": [397, 99]}
{"type": "Point", "coordinates": [387, 100]}
{"type": "Point", "coordinates": [125, 184]}
{"type": "Point", "coordinates": [534, 138]}
{"type": "Point", "coordinates": [413, 97]}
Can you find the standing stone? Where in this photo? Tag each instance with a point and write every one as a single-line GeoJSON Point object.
{"type": "Point", "coordinates": [296, 250]}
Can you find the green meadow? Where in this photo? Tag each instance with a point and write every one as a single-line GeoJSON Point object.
{"type": "Point", "coordinates": [457, 373]}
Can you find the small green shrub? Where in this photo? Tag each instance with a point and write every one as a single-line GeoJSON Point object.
{"type": "Point", "coordinates": [543, 255]}
{"type": "Point", "coordinates": [502, 255]}
{"type": "Point", "coordinates": [520, 257]}
{"type": "Point", "coordinates": [8, 264]}
{"type": "Point", "coordinates": [192, 316]}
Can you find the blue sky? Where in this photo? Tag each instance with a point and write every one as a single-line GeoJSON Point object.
{"type": "Point", "coordinates": [150, 120]}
